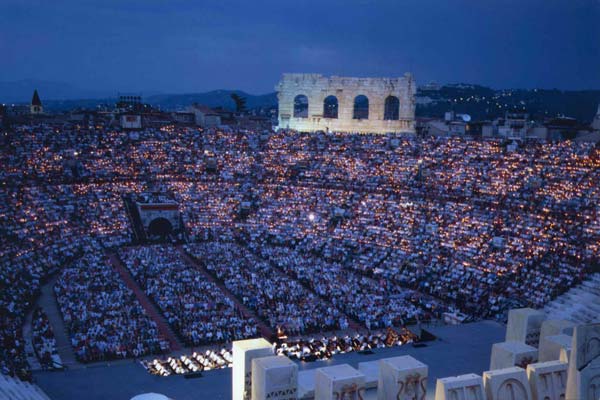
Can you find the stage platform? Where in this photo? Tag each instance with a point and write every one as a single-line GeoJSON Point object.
{"type": "Point", "coordinates": [458, 350]}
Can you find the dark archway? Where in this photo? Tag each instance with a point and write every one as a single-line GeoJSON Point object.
{"type": "Point", "coordinates": [392, 108]}
{"type": "Point", "coordinates": [361, 107]}
{"type": "Point", "coordinates": [160, 227]}
{"type": "Point", "coordinates": [301, 106]}
{"type": "Point", "coordinates": [330, 107]}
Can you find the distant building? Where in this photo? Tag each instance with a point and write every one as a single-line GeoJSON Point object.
{"type": "Point", "coordinates": [205, 116]}
{"type": "Point", "coordinates": [17, 110]}
{"type": "Point", "coordinates": [36, 107]}
{"type": "Point", "coordinates": [131, 121]}
{"type": "Point", "coordinates": [567, 128]}
{"type": "Point", "coordinates": [514, 126]}
{"type": "Point", "coordinates": [186, 118]}
{"type": "Point", "coordinates": [452, 125]}
{"type": "Point", "coordinates": [128, 103]}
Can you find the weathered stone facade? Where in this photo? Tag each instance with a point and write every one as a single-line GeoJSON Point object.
{"type": "Point", "coordinates": [391, 103]}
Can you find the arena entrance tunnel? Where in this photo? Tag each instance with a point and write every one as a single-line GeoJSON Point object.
{"type": "Point", "coordinates": [160, 227]}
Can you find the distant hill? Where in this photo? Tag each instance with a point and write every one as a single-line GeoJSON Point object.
{"type": "Point", "coordinates": [484, 103]}
{"type": "Point", "coordinates": [215, 98]}
{"type": "Point", "coordinates": [432, 100]}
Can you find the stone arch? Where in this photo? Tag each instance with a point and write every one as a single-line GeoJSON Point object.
{"type": "Point", "coordinates": [301, 106]}
{"type": "Point", "coordinates": [330, 107]}
{"type": "Point", "coordinates": [160, 227]}
{"type": "Point", "coordinates": [391, 108]}
{"type": "Point", "coordinates": [361, 107]}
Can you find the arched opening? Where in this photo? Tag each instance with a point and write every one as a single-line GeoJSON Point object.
{"type": "Point", "coordinates": [392, 108]}
{"type": "Point", "coordinates": [330, 107]}
{"type": "Point", "coordinates": [361, 107]}
{"type": "Point", "coordinates": [301, 106]}
{"type": "Point", "coordinates": [160, 227]}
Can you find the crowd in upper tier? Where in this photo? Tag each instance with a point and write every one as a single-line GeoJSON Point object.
{"type": "Point", "coordinates": [195, 307]}
{"type": "Point", "coordinates": [455, 223]}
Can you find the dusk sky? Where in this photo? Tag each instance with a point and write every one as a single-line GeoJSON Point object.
{"type": "Point", "coordinates": [189, 46]}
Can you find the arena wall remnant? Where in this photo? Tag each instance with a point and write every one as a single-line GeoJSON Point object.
{"type": "Point", "coordinates": [313, 102]}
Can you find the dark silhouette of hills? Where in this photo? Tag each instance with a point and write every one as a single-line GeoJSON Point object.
{"type": "Point", "coordinates": [432, 101]}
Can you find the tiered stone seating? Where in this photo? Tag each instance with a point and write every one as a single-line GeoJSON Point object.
{"type": "Point", "coordinates": [15, 389]}
{"type": "Point", "coordinates": [581, 304]}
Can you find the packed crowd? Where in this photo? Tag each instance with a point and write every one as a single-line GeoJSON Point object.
{"type": "Point", "coordinates": [104, 318]}
{"type": "Point", "coordinates": [471, 223]}
{"type": "Point", "coordinates": [44, 228]}
{"type": "Point", "coordinates": [275, 297]}
{"type": "Point", "coordinates": [376, 304]}
{"type": "Point", "coordinates": [194, 306]}
{"type": "Point", "coordinates": [44, 342]}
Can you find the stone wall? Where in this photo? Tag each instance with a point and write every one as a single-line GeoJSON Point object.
{"type": "Point", "coordinates": [317, 87]}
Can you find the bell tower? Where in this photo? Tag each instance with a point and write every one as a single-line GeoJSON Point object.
{"type": "Point", "coordinates": [36, 104]}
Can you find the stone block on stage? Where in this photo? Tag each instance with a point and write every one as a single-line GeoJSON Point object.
{"type": "Point", "coordinates": [511, 354]}
{"type": "Point", "coordinates": [583, 378]}
{"type": "Point", "coordinates": [550, 347]}
{"type": "Point", "coordinates": [548, 380]}
{"type": "Point", "coordinates": [462, 387]}
{"type": "Point", "coordinates": [306, 384]}
{"type": "Point", "coordinates": [524, 325]}
{"type": "Point", "coordinates": [339, 382]}
{"type": "Point", "coordinates": [402, 378]}
{"type": "Point", "coordinates": [244, 351]}
{"type": "Point", "coordinates": [507, 384]}
{"type": "Point", "coordinates": [274, 377]}
{"type": "Point", "coordinates": [565, 354]}
{"type": "Point", "coordinates": [553, 327]}
{"type": "Point", "coordinates": [371, 371]}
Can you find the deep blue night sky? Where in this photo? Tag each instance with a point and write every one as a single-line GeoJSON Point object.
{"type": "Point", "coordinates": [188, 46]}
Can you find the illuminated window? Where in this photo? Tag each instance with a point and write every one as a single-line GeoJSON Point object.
{"type": "Point", "coordinates": [330, 107]}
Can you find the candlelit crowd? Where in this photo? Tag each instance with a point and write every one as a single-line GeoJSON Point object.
{"type": "Point", "coordinates": [194, 307]}
{"type": "Point", "coordinates": [295, 225]}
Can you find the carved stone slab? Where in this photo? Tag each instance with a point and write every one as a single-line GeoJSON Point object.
{"type": "Point", "coordinates": [306, 384]}
{"type": "Point", "coordinates": [548, 380]}
{"type": "Point", "coordinates": [339, 382]}
{"type": "Point", "coordinates": [565, 354]}
{"type": "Point", "coordinates": [511, 354]}
{"type": "Point", "coordinates": [507, 384]}
{"type": "Point", "coordinates": [243, 353]}
{"type": "Point", "coordinates": [583, 381]}
{"type": "Point", "coordinates": [402, 378]}
{"type": "Point", "coordinates": [552, 327]}
{"type": "Point", "coordinates": [524, 325]}
{"type": "Point", "coordinates": [274, 377]}
{"type": "Point", "coordinates": [462, 387]}
{"type": "Point", "coordinates": [550, 347]}
{"type": "Point", "coordinates": [371, 371]}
